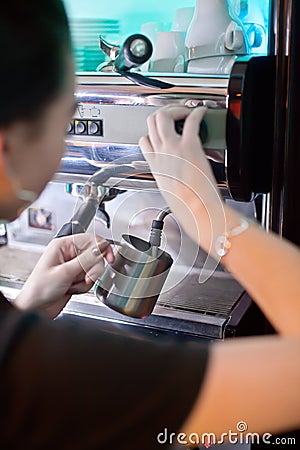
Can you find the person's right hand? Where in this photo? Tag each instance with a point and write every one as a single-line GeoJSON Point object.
{"type": "Point", "coordinates": [70, 265]}
{"type": "Point", "coordinates": [181, 169]}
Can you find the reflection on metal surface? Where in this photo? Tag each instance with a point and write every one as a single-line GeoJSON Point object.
{"type": "Point", "coordinates": [189, 308]}
{"type": "Point", "coordinates": [122, 110]}
{"type": "Point", "coordinates": [188, 82]}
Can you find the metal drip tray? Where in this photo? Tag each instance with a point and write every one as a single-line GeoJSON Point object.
{"type": "Point", "coordinates": [16, 264]}
{"type": "Point", "coordinates": [190, 307]}
{"type": "Point", "coordinates": [216, 297]}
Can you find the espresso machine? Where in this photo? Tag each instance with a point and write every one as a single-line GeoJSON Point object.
{"type": "Point", "coordinates": [112, 109]}
{"type": "Point", "coordinates": [102, 141]}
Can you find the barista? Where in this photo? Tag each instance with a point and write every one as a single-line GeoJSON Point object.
{"type": "Point", "coordinates": [79, 387]}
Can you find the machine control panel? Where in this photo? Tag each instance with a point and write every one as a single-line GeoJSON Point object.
{"type": "Point", "coordinates": [85, 127]}
{"type": "Point", "coordinates": [122, 124]}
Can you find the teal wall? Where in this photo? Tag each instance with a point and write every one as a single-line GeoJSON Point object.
{"type": "Point", "coordinates": [131, 13]}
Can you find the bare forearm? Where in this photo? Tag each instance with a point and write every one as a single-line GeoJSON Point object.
{"type": "Point", "coordinates": [268, 267]}
{"type": "Point", "coordinates": [254, 380]}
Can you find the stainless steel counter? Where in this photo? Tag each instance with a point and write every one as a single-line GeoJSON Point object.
{"type": "Point", "coordinates": [189, 307]}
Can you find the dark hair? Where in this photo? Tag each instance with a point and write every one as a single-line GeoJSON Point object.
{"type": "Point", "coordinates": [34, 41]}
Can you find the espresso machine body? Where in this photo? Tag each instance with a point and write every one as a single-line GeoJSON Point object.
{"type": "Point", "coordinates": [111, 117]}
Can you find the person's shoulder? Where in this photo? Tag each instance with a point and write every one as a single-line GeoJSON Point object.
{"type": "Point", "coordinates": [13, 325]}
{"type": "Point", "coordinates": [5, 305]}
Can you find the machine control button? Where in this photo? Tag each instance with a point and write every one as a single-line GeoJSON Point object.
{"type": "Point", "coordinates": [94, 111]}
{"type": "Point", "coordinates": [95, 128]}
{"type": "Point", "coordinates": [80, 127]}
{"type": "Point", "coordinates": [70, 128]}
{"type": "Point", "coordinates": [203, 130]}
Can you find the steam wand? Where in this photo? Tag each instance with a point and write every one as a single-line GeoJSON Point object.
{"type": "Point", "coordinates": [156, 230]}
{"type": "Point", "coordinates": [95, 194]}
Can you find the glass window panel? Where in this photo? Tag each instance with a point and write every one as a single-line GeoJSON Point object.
{"type": "Point", "coordinates": [195, 36]}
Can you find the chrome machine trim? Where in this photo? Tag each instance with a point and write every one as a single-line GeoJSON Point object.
{"type": "Point", "coordinates": [115, 102]}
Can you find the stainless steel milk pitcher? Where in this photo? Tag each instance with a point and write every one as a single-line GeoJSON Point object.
{"type": "Point", "coordinates": [132, 284]}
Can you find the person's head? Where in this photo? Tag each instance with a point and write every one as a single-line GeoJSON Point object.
{"type": "Point", "coordinates": [36, 98]}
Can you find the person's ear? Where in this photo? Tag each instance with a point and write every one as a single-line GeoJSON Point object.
{"type": "Point", "coordinates": [10, 188]}
{"type": "Point", "coordinates": [7, 186]}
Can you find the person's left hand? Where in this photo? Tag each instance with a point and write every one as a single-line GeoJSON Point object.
{"type": "Point", "coordinates": [70, 265]}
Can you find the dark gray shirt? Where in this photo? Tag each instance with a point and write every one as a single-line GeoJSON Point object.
{"type": "Point", "coordinates": [75, 386]}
